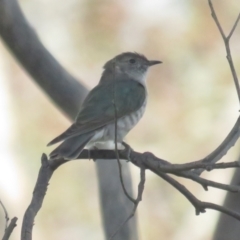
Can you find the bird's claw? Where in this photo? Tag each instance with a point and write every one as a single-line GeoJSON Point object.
{"type": "Point", "coordinates": [128, 151]}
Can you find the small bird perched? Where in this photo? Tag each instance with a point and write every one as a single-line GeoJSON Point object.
{"type": "Point", "coordinates": [120, 96]}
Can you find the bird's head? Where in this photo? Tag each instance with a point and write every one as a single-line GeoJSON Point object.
{"type": "Point", "coordinates": [132, 64]}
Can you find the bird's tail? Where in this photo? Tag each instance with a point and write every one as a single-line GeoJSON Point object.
{"type": "Point", "coordinates": [71, 147]}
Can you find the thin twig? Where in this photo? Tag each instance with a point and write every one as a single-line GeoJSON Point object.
{"type": "Point", "coordinates": [143, 161]}
{"type": "Point", "coordinates": [234, 26]}
{"type": "Point", "coordinates": [207, 183]}
{"type": "Point", "coordinates": [66, 91]}
{"type": "Point", "coordinates": [226, 43]}
{"type": "Point", "coordinates": [182, 189]}
{"type": "Point", "coordinates": [213, 206]}
{"type": "Point", "coordinates": [234, 134]}
{"type": "Point", "coordinates": [6, 214]}
{"type": "Point", "coordinates": [223, 148]}
{"type": "Point", "coordinates": [136, 203]}
{"type": "Point", "coordinates": [216, 19]}
{"type": "Point", "coordinates": [200, 206]}
{"type": "Point", "coordinates": [44, 175]}
{"type": "Point", "coordinates": [153, 163]}
{"type": "Point", "coordinates": [9, 229]}
{"type": "Point", "coordinates": [120, 167]}
{"type": "Point", "coordinates": [196, 165]}
{"type": "Point", "coordinates": [115, 141]}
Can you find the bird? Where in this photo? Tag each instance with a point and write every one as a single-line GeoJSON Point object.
{"type": "Point", "coordinates": [110, 110]}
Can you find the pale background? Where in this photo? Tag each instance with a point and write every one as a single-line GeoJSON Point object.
{"type": "Point", "coordinates": [192, 107]}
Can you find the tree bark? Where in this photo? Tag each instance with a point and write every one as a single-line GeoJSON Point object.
{"type": "Point", "coordinates": [228, 227]}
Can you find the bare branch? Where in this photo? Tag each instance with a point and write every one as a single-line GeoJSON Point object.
{"type": "Point", "coordinates": [200, 207]}
{"type": "Point", "coordinates": [142, 175]}
{"type": "Point", "coordinates": [65, 91]}
{"type": "Point", "coordinates": [35, 65]}
{"type": "Point", "coordinates": [143, 161]}
{"type": "Point", "coordinates": [161, 167]}
{"type": "Point", "coordinates": [226, 43]}
{"type": "Point", "coordinates": [9, 229]}
{"type": "Point", "coordinates": [136, 202]}
{"type": "Point", "coordinates": [200, 165]}
{"type": "Point", "coordinates": [45, 174]}
{"type": "Point", "coordinates": [234, 134]}
{"type": "Point", "coordinates": [234, 26]}
{"type": "Point", "coordinates": [116, 148]}
{"type": "Point", "coordinates": [207, 183]}
{"type": "Point", "coordinates": [223, 148]}
{"type": "Point", "coordinates": [23, 42]}
{"type": "Point", "coordinates": [150, 161]}
{"type": "Point", "coordinates": [216, 19]}
{"type": "Point", "coordinates": [6, 214]}
{"type": "Point", "coordinates": [232, 213]}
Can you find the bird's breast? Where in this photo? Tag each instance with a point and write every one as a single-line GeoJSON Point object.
{"type": "Point", "coordinates": [128, 122]}
{"type": "Point", "coordinates": [124, 125]}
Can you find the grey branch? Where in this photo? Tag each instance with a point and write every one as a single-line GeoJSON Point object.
{"type": "Point", "coordinates": [226, 40]}
{"type": "Point", "coordinates": [200, 207]}
{"type": "Point", "coordinates": [9, 229]}
{"type": "Point", "coordinates": [145, 161]}
{"type": "Point", "coordinates": [228, 228]}
{"type": "Point", "coordinates": [234, 134]}
{"type": "Point", "coordinates": [223, 148]}
{"type": "Point", "coordinates": [45, 174]}
{"type": "Point", "coordinates": [135, 201]}
{"type": "Point", "coordinates": [5, 213]}
{"type": "Point", "coordinates": [24, 43]}
{"type": "Point", "coordinates": [68, 94]}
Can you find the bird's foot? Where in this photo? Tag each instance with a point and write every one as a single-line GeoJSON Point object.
{"type": "Point", "coordinates": [89, 154]}
{"type": "Point", "coordinates": [93, 148]}
{"type": "Point", "coordinates": [128, 151]}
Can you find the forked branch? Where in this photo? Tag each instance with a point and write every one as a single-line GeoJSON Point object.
{"type": "Point", "coordinates": [8, 227]}
{"type": "Point", "coordinates": [226, 40]}
{"type": "Point", "coordinates": [148, 161]}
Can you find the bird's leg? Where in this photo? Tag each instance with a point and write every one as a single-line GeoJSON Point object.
{"type": "Point", "coordinates": [89, 157]}
{"type": "Point", "coordinates": [127, 149]}
{"type": "Point", "coordinates": [90, 147]}
{"type": "Point", "coordinates": [94, 148]}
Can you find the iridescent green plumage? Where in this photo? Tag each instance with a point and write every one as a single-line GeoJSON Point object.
{"type": "Point", "coordinates": [98, 109]}
{"type": "Point", "coordinates": [121, 91]}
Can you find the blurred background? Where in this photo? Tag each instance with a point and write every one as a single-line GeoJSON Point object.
{"type": "Point", "coordinates": [192, 107]}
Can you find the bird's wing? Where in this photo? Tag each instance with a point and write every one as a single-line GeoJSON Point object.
{"type": "Point", "coordinates": [98, 108]}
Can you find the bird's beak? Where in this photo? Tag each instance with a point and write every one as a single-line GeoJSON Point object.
{"type": "Point", "coordinates": [153, 62]}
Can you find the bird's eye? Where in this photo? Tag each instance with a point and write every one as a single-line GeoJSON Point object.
{"type": "Point", "coordinates": [132, 60]}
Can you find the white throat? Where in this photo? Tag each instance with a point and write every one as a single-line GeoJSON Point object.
{"type": "Point", "coordinates": [139, 77]}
